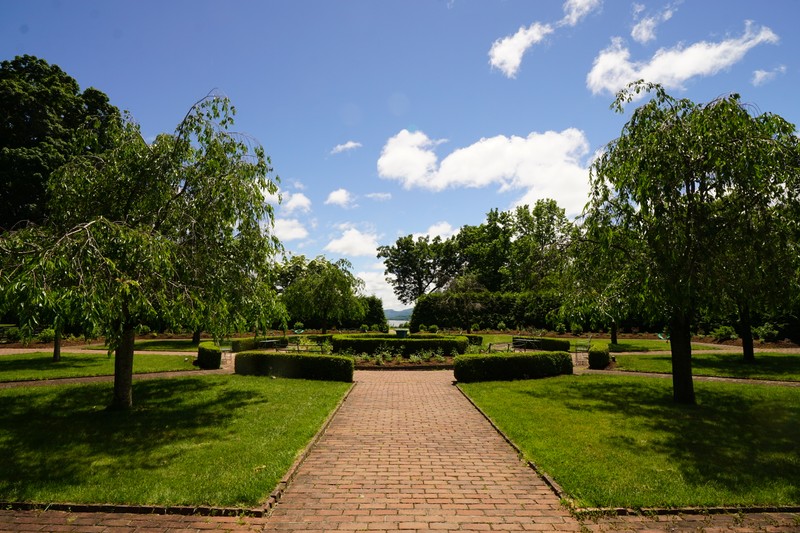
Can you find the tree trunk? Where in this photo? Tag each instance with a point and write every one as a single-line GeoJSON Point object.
{"type": "Point", "coordinates": [123, 371]}
{"type": "Point", "coordinates": [746, 333]}
{"type": "Point", "coordinates": [196, 337]}
{"type": "Point", "coordinates": [614, 332]}
{"type": "Point", "coordinates": [57, 344]}
{"type": "Point", "coordinates": [681, 345]}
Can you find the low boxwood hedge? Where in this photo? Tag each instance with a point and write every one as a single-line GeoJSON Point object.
{"type": "Point", "coordinates": [511, 366]}
{"type": "Point", "coordinates": [599, 358]}
{"type": "Point", "coordinates": [548, 345]}
{"type": "Point", "coordinates": [294, 365]}
{"type": "Point", "coordinates": [244, 344]}
{"type": "Point", "coordinates": [474, 340]}
{"type": "Point", "coordinates": [407, 346]}
{"type": "Point", "coordinates": [209, 356]}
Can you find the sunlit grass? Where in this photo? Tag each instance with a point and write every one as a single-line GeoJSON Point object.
{"type": "Point", "coordinates": [211, 440]}
{"type": "Point", "coordinates": [158, 345]}
{"type": "Point", "coordinates": [776, 366]}
{"type": "Point", "coordinates": [621, 441]}
{"type": "Point", "coordinates": [40, 365]}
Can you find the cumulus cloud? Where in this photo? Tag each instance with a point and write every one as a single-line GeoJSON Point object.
{"type": "Point", "coordinates": [349, 145]}
{"type": "Point", "coordinates": [379, 196]}
{"type": "Point", "coordinates": [645, 29]}
{"type": "Point", "coordinates": [545, 165]}
{"type": "Point", "coordinates": [506, 53]}
{"type": "Point", "coordinates": [340, 197]}
{"type": "Point", "coordinates": [440, 229]}
{"type": "Point", "coordinates": [289, 229]}
{"type": "Point", "coordinates": [760, 77]}
{"type": "Point", "coordinates": [296, 202]}
{"type": "Point", "coordinates": [613, 68]}
{"type": "Point", "coordinates": [354, 243]}
{"type": "Point", "coordinates": [575, 10]}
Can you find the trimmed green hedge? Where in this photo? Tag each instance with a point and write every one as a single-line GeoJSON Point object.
{"type": "Point", "coordinates": [474, 340]}
{"type": "Point", "coordinates": [209, 356]}
{"type": "Point", "coordinates": [511, 366]}
{"type": "Point", "coordinates": [407, 346]}
{"type": "Point", "coordinates": [549, 345]}
{"type": "Point", "coordinates": [294, 365]}
{"type": "Point", "coordinates": [244, 344]}
{"type": "Point", "coordinates": [599, 358]}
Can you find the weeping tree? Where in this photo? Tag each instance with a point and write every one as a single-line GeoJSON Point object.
{"type": "Point", "coordinates": [177, 230]}
{"type": "Point", "coordinates": [680, 176]}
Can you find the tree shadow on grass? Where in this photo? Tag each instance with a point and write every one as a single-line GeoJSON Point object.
{"type": "Point", "coordinates": [44, 363]}
{"type": "Point", "coordinates": [738, 436]}
{"type": "Point", "coordinates": [59, 435]}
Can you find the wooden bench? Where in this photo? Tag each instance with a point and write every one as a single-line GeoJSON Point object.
{"type": "Point", "coordinates": [582, 347]}
{"type": "Point", "coordinates": [524, 343]}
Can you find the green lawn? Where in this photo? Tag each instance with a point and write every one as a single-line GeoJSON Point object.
{"type": "Point", "coordinates": [778, 366]}
{"type": "Point", "coordinates": [158, 345]}
{"type": "Point", "coordinates": [210, 440]}
{"type": "Point", "coordinates": [40, 365]}
{"type": "Point", "coordinates": [625, 345]}
{"type": "Point", "coordinates": [620, 441]}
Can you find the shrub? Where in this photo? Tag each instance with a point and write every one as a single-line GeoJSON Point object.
{"type": "Point", "coordinates": [561, 328]}
{"type": "Point", "coordinates": [46, 335]}
{"type": "Point", "coordinates": [501, 326]}
{"type": "Point", "coordinates": [599, 358]}
{"type": "Point", "coordinates": [474, 339]}
{"type": "Point", "coordinates": [374, 343]}
{"type": "Point", "coordinates": [475, 327]}
{"type": "Point", "coordinates": [724, 333]}
{"type": "Point", "coordinates": [576, 329]}
{"type": "Point", "coordinates": [550, 345]}
{"type": "Point", "coordinates": [13, 334]}
{"type": "Point", "coordinates": [209, 356]}
{"type": "Point", "coordinates": [768, 332]}
{"type": "Point", "coordinates": [423, 328]}
{"type": "Point", "coordinates": [433, 329]}
{"type": "Point", "coordinates": [374, 328]}
{"type": "Point", "coordinates": [364, 328]}
{"type": "Point", "coordinates": [506, 367]}
{"type": "Point", "coordinates": [295, 366]}
{"type": "Point", "coordinates": [298, 325]}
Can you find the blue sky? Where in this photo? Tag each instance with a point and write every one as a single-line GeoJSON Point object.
{"type": "Point", "coordinates": [389, 118]}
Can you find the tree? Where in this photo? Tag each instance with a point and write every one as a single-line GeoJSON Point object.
{"type": "Point", "coordinates": [44, 115]}
{"type": "Point", "coordinates": [175, 230]}
{"type": "Point", "coordinates": [373, 311]}
{"type": "Point", "coordinates": [421, 266]}
{"type": "Point", "coordinates": [673, 178]}
{"type": "Point", "coordinates": [485, 249]}
{"type": "Point", "coordinates": [324, 292]}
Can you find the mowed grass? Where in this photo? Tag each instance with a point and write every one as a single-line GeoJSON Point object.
{"type": "Point", "coordinates": [158, 345]}
{"type": "Point", "coordinates": [211, 440]}
{"type": "Point", "coordinates": [621, 441]}
{"type": "Point", "coordinates": [774, 366]}
{"type": "Point", "coordinates": [624, 345]}
{"type": "Point", "coordinates": [40, 365]}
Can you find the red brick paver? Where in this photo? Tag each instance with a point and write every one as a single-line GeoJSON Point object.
{"type": "Point", "coordinates": [407, 452]}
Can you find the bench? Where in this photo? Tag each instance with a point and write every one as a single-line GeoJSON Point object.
{"type": "Point", "coordinates": [582, 346]}
{"type": "Point", "coordinates": [524, 343]}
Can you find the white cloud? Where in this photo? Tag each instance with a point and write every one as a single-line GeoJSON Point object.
{"type": "Point", "coordinates": [506, 53]}
{"type": "Point", "coordinates": [379, 196]}
{"type": "Point", "coordinates": [575, 10]}
{"type": "Point", "coordinates": [760, 77]}
{"type": "Point", "coordinates": [340, 197]}
{"type": "Point", "coordinates": [613, 68]}
{"type": "Point", "coordinates": [289, 229]}
{"type": "Point", "coordinates": [349, 145]}
{"type": "Point", "coordinates": [645, 30]}
{"type": "Point", "coordinates": [375, 284]}
{"type": "Point", "coordinates": [296, 202]}
{"type": "Point", "coordinates": [354, 243]}
{"type": "Point", "coordinates": [440, 229]}
{"type": "Point", "coordinates": [546, 165]}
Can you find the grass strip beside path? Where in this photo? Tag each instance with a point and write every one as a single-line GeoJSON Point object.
{"type": "Point", "coordinates": [40, 365]}
{"type": "Point", "coordinates": [157, 345]}
{"type": "Point", "coordinates": [775, 366]}
{"type": "Point", "coordinates": [618, 441]}
{"type": "Point", "coordinates": [212, 440]}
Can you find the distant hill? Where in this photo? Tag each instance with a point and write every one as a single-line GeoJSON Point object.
{"type": "Point", "coordinates": [404, 314]}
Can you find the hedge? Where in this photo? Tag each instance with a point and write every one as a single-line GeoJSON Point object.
{"type": "Point", "coordinates": [511, 366]}
{"type": "Point", "coordinates": [407, 346]}
{"type": "Point", "coordinates": [599, 358]}
{"type": "Point", "coordinates": [549, 345]}
{"type": "Point", "coordinates": [474, 340]}
{"type": "Point", "coordinates": [209, 356]}
{"type": "Point", "coordinates": [294, 365]}
{"type": "Point", "coordinates": [244, 344]}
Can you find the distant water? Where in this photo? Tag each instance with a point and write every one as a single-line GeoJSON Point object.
{"type": "Point", "coordinates": [396, 323]}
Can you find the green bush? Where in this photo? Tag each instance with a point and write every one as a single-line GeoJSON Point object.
{"type": "Point", "coordinates": [501, 326]}
{"type": "Point", "coordinates": [209, 356]}
{"type": "Point", "coordinates": [599, 358]}
{"type": "Point", "coordinates": [724, 333]}
{"type": "Point", "coordinates": [13, 334]}
{"type": "Point", "coordinates": [46, 335]}
{"type": "Point", "coordinates": [364, 328]}
{"type": "Point", "coordinates": [475, 327]}
{"type": "Point", "coordinates": [433, 329]}
{"type": "Point", "coordinates": [576, 329]}
{"type": "Point", "coordinates": [407, 346]}
{"type": "Point", "coordinates": [298, 325]}
{"type": "Point", "coordinates": [295, 366]}
{"type": "Point", "coordinates": [422, 328]}
{"type": "Point", "coordinates": [768, 332]}
{"type": "Point", "coordinates": [474, 340]}
{"type": "Point", "coordinates": [550, 345]}
{"type": "Point", "coordinates": [511, 366]}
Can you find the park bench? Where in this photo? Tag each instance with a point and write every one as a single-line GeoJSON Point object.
{"type": "Point", "coordinates": [524, 343]}
{"type": "Point", "coordinates": [582, 346]}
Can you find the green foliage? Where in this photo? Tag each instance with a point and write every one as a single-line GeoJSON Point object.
{"type": "Point", "coordinates": [295, 366]}
{"type": "Point", "coordinates": [406, 346]}
{"type": "Point", "coordinates": [503, 367]}
{"type": "Point", "coordinates": [767, 332]}
{"type": "Point", "coordinates": [599, 357]}
{"type": "Point", "coordinates": [576, 329]}
{"type": "Point", "coordinates": [501, 326]}
{"type": "Point", "coordinates": [724, 333]}
{"type": "Point", "coordinates": [298, 326]}
{"type": "Point", "coordinates": [433, 328]}
{"type": "Point", "coordinates": [209, 356]}
{"type": "Point", "coordinates": [550, 345]}
{"type": "Point", "coordinates": [474, 340]}
{"type": "Point", "coordinates": [13, 334]}
{"type": "Point", "coordinates": [364, 328]}
{"type": "Point", "coordinates": [46, 335]}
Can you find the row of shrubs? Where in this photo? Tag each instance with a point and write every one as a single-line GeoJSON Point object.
{"type": "Point", "coordinates": [407, 346]}
{"type": "Point", "coordinates": [511, 366]}
{"type": "Point", "coordinates": [295, 366]}
{"type": "Point", "coordinates": [243, 344]}
{"type": "Point", "coordinates": [549, 345]}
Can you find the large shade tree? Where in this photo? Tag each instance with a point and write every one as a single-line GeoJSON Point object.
{"type": "Point", "coordinates": [678, 176]}
{"type": "Point", "coordinates": [177, 230]}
